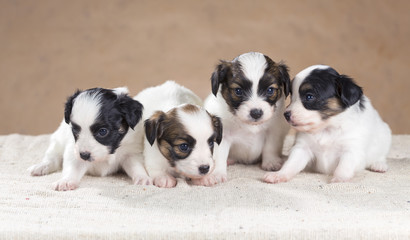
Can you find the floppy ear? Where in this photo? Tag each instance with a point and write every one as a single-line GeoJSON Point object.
{"type": "Point", "coordinates": [217, 125]}
{"type": "Point", "coordinates": [284, 75]}
{"type": "Point", "coordinates": [348, 90]}
{"type": "Point", "coordinates": [130, 109]}
{"type": "Point", "coordinates": [221, 74]}
{"type": "Point", "coordinates": [153, 126]}
{"type": "Point", "coordinates": [69, 106]}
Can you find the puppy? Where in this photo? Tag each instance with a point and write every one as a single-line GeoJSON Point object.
{"type": "Point", "coordinates": [249, 96]}
{"type": "Point", "coordinates": [96, 137]}
{"type": "Point", "coordinates": [180, 135]}
{"type": "Point", "coordinates": [339, 131]}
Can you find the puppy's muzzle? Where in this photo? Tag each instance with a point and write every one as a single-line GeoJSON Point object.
{"type": "Point", "coordinates": [85, 156]}
{"type": "Point", "coordinates": [203, 169]}
{"type": "Point", "coordinates": [256, 113]}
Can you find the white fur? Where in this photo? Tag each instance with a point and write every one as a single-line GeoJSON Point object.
{"type": "Point", "coordinates": [165, 97]}
{"type": "Point", "coordinates": [63, 151]}
{"type": "Point", "coordinates": [341, 145]}
{"type": "Point", "coordinates": [244, 140]}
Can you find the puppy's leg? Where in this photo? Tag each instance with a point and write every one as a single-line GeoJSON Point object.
{"type": "Point", "coordinates": [298, 159]}
{"type": "Point", "coordinates": [348, 164]}
{"type": "Point", "coordinates": [53, 158]}
{"type": "Point", "coordinates": [134, 168]}
{"type": "Point", "coordinates": [379, 166]}
{"type": "Point", "coordinates": [272, 158]}
{"type": "Point", "coordinates": [157, 167]}
{"type": "Point", "coordinates": [219, 175]}
{"type": "Point", "coordinates": [73, 170]}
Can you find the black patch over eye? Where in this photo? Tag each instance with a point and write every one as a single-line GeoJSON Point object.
{"type": "Point", "coordinates": [76, 130]}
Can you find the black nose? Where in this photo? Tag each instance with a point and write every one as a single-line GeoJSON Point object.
{"type": "Point", "coordinates": [85, 155]}
{"type": "Point", "coordinates": [203, 169]}
{"type": "Point", "coordinates": [287, 115]}
{"type": "Point", "coordinates": [256, 113]}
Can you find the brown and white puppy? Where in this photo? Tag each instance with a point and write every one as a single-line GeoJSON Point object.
{"type": "Point", "coordinates": [249, 96]}
{"type": "Point", "coordinates": [180, 135]}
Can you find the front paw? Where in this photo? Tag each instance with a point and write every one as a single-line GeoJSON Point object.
{"type": "Point", "coordinates": [276, 177]}
{"type": "Point", "coordinates": [39, 169]}
{"type": "Point", "coordinates": [210, 180]}
{"type": "Point", "coordinates": [65, 185]}
{"type": "Point", "coordinates": [165, 181]}
{"type": "Point", "coordinates": [142, 180]}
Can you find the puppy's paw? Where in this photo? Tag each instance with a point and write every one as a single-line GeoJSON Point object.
{"type": "Point", "coordinates": [142, 180]}
{"type": "Point", "coordinates": [380, 167]}
{"type": "Point", "coordinates": [39, 169]}
{"type": "Point", "coordinates": [275, 177]}
{"type": "Point", "coordinates": [274, 164]}
{"type": "Point", "coordinates": [165, 181]}
{"type": "Point", "coordinates": [65, 185]}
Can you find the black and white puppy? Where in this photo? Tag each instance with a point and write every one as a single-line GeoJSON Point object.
{"type": "Point", "coordinates": [249, 96]}
{"type": "Point", "coordinates": [339, 131]}
{"type": "Point", "coordinates": [96, 137]}
{"type": "Point", "coordinates": [180, 135]}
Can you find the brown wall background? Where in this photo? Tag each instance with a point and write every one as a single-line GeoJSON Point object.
{"type": "Point", "coordinates": [49, 48]}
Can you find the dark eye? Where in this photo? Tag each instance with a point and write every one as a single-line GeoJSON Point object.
{"type": "Point", "coordinates": [102, 132]}
{"type": "Point", "coordinates": [211, 143]}
{"type": "Point", "coordinates": [76, 129]}
{"type": "Point", "coordinates": [270, 91]}
{"type": "Point", "coordinates": [310, 97]}
{"type": "Point", "coordinates": [238, 92]}
{"type": "Point", "coordinates": [184, 147]}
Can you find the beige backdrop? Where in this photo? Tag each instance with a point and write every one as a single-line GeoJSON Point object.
{"type": "Point", "coordinates": [49, 48]}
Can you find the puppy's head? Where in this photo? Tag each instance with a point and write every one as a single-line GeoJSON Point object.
{"type": "Point", "coordinates": [318, 94]}
{"type": "Point", "coordinates": [185, 136]}
{"type": "Point", "coordinates": [100, 119]}
{"type": "Point", "coordinates": [251, 85]}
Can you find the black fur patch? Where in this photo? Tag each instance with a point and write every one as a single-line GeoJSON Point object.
{"type": "Point", "coordinates": [326, 91]}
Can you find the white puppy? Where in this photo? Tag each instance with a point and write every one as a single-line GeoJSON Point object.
{"type": "Point", "coordinates": [96, 137]}
{"type": "Point", "coordinates": [180, 134]}
{"type": "Point", "coordinates": [339, 131]}
{"type": "Point", "coordinates": [249, 96]}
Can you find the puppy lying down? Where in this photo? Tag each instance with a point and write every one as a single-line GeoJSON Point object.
{"type": "Point", "coordinates": [339, 131]}
{"type": "Point", "coordinates": [180, 135]}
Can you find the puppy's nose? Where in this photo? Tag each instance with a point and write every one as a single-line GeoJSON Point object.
{"type": "Point", "coordinates": [85, 155]}
{"type": "Point", "coordinates": [287, 115]}
{"type": "Point", "coordinates": [256, 113]}
{"type": "Point", "coordinates": [203, 169]}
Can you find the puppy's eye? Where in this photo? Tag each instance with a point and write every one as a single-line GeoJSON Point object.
{"type": "Point", "coordinates": [102, 132]}
{"type": "Point", "coordinates": [183, 147]}
{"type": "Point", "coordinates": [309, 97]}
{"type": "Point", "coordinates": [238, 92]}
{"type": "Point", "coordinates": [211, 143]}
{"type": "Point", "coordinates": [270, 91]}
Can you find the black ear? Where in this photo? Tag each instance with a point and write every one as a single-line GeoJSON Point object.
{"type": "Point", "coordinates": [221, 74]}
{"type": "Point", "coordinates": [130, 109]}
{"type": "Point", "coordinates": [284, 75]}
{"type": "Point", "coordinates": [348, 90]}
{"type": "Point", "coordinates": [217, 124]}
{"type": "Point", "coordinates": [69, 106]}
{"type": "Point", "coordinates": [153, 126]}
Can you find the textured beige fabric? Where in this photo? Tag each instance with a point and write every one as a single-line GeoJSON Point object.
{"type": "Point", "coordinates": [372, 206]}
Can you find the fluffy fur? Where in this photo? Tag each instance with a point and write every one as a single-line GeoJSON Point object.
{"type": "Point", "coordinates": [339, 131]}
{"type": "Point", "coordinates": [249, 96]}
{"type": "Point", "coordinates": [180, 135]}
{"type": "Point", "coordinates": [96, 137]}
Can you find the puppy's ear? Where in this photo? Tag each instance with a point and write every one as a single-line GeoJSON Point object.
{"type": "Point", "coordinates": [130, 109]}
{"type": "Point", "coordinates": [153, 126]}
{"type": "Point", "coordinates": [349, 92]}
{"type": "Point", "coordinates": [69, 106]}
{"type": "Point", "coordinates": [217, 125]}
{"type": "Point", "coordinates": [284, 75]}
{"type": "Point", "coordinates": [221, 74]}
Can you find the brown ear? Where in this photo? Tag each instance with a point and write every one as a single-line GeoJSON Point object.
{"type": "Point", "coordinates": [221, 74]}
{"type": "Point", "coordinates": [153, 128]}
{"type": "Point", "coordinates": [217, 124]}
